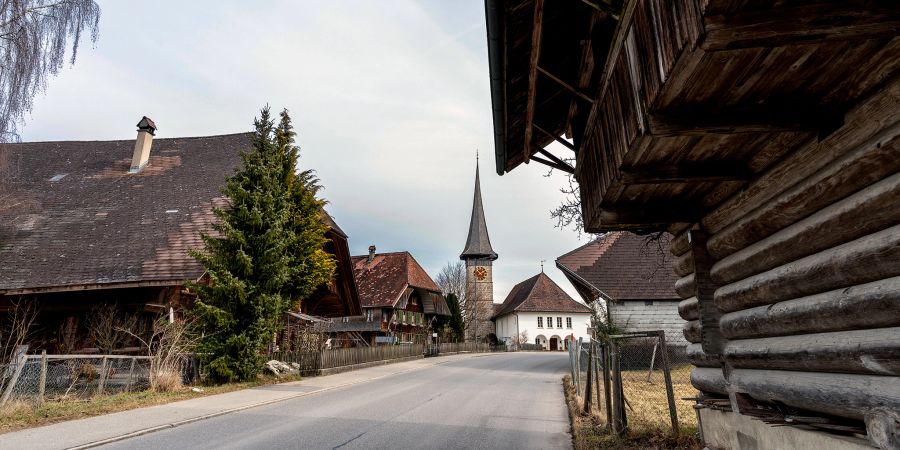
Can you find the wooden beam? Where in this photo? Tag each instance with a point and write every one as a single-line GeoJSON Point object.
{"type": "Point", "coordinates": [604, 6]}
{"type": "Point", "coordinates": [837, 20]}
{"type": "Point", "coordinates": [585, 69]}
{"type": "Point", "coordinates": [559, 139]}
{"type": "Point", "coordinates": [558, 161]}
{"type": "Point", "coordinates": [647, 217]}
{"type": "Point", "coordinates": [532, 76]}
{"type": "Point", "coordinates": [566, 85]}
{"type": "Point", "coordinates": [696, 173]}
{"type": "Point", "coordinates": [771, 119]}
{"type": "Point", "coordinates": [563, 167]}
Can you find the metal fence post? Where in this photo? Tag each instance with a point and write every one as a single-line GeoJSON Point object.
{"type": "Point", "coordinates": [673, 413]}
{"type": "Point", "coordinates": [102, 379]}
{"type": "Point", "coordinates": [42, 382]}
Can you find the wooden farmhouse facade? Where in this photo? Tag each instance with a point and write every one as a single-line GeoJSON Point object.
{"type": "Point", "coordinates": [765, 137]}
{"type": "Point", "coordinates": [632, 277]}
{"type": "Point", "coordinates": [400, 302]}
{"type": "Point", "coordinates": [87, 223]}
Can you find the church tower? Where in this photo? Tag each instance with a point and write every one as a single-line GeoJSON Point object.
{"type": "Point", "coordinates": [479, 258]}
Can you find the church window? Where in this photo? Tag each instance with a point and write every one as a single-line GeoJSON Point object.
{"type": "Point", "coordinates": [568, 322]}
{"type": "Point", "coordinates": [540, 322]}
{"type": "Point", "coordinates": [549, 322]}
{"type": "Point", "coordinates": [559, 322]}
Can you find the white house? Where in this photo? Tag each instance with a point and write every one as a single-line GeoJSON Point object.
{"type": "Point", "coordinates": [538, 311]}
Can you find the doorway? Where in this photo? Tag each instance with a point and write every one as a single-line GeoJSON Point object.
{"type": "Point", "coordinates": [554, 344]}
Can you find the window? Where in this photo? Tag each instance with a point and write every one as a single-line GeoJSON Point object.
{"type": "Point", "coordinates": [559, 322]}
{"type": "Point", "coordinates": [540, 322]}
{"type": "Point", "coordinates": [369, 315]}
{"type": "Point", "coordinates": [648, 302]}
{"type": "Point", "coordinates": [569, 322]}
{"type": "Point", "coordinates": [537, 341]}
{"type": "Point", "coordinates": [549, 322]}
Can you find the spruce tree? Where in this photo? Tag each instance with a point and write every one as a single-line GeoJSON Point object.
{"type": "Point", "coordinates": [260, 259]}
{"type": "Point", "coordinates": [456, 321]}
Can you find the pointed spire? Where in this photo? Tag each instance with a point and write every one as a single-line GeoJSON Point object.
{"type": "Point", "coordinates": [478, 244]}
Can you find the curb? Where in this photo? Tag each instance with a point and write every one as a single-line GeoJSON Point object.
{"type": "Point", "coordinates": [239, 408]}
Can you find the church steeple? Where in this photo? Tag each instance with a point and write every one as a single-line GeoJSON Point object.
{"type": "Point", "coordinates": [478, 244]}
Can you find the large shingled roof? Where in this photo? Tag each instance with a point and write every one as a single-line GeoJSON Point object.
{"type": "Point", "coordinates": [72, 215]}
{"type": "Point", "coordinates": [478, 243]}
{"type": "Point", "coordinates": [382, 281]}
{"type": "Point", "coordinates": [538, 294]}
{"type": "Point", "coordinates": [623, 266]}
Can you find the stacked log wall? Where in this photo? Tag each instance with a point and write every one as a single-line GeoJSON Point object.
{"type": "Point", "coordinates": [807, 274]}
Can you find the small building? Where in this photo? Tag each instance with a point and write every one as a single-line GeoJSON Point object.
{"type": "Point", "coordinates": [400, 302]}
{"type": "Point", "coordinates": [538, 311]}
{"type": "Point", "coordinates": [88, 223]}
{"type": "Point", "coordinates": [632, 276]}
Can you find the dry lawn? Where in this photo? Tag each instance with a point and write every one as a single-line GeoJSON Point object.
{"type": "Point", "coordinates": [589, 431]}
{"type": "Point", "coordinates": [20, 415]}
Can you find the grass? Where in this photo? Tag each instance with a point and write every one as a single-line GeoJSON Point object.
{"type": "Point", "coordinates": [649, 426]}
{"type": "Point", "coordinates": [20, 415]}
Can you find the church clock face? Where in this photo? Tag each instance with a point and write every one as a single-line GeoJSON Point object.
{"type": "Point", "coordinates": [480, 273]}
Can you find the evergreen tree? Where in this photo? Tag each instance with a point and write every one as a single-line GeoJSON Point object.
{"type": "Point", "coordinates": [456, 320]}
{"type": "Point", "coordinates": [266, 253]}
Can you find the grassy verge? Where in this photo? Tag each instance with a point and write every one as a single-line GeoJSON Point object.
{"type": "Point", "coordinates": [20, 415]}
{"type": "Point", "coordinates": [589, 431]}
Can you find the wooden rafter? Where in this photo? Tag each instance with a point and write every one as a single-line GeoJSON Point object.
{"type": "Point", "coordinates": [566, 167]}
{"type": "Point", "coordinates": [566, 85]}
{"type": "Point", "coordinates": [693, 173]}
{"type": "Point", "coordinates": [585, 70]}
{"type": "Point", "coordinates": [559, 139]}
{"type": "Point", "coordinates": [532, 75]}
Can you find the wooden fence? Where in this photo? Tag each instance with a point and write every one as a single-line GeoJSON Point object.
{"type": "Point", "coordinates": [312, 362]}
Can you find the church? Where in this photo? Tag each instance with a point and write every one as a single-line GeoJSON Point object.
{"type": "Point", "coordinates": [536, 310]}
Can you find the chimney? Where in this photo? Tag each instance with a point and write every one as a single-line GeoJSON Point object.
{"type": "Point", "coordinates": [146, 131]}
{"type": "Point", "coordinates": [371, 253]}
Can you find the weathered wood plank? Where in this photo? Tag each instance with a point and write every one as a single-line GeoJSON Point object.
{"type": "Point", "coordinates": [828, 227]}
{"type": "Point", "coordinates": [698, 358]}
{"type": "Point", "coordinates": [844, 395]}
{"type": "Point", "coordinates": [820, 22]}
{"type": "Point", "coordinates": [688, 309]}
{"type": "Point", "coordinates": [875, 352]}
{"type": "Point", "coordinates": [532, 76]}
{"type": "Point", "coordinates": [683, 265]}
{"type": "Point", "coordinates": [874, 120]}
{"type": "Point", "coordinates": [691, 330]}
{"type": "Point", "coordinates": [684, 286]}
{"type": "Point", "coordinates": [709, 380]}
{"type": "Point", "coordinates": [863, 260]}
{"type": "Point", "coordinates": [870, 305]}
{"type": "Point", "coordinates": [693, 173]}
{"type": "Point", "coordinates": [680, 244]}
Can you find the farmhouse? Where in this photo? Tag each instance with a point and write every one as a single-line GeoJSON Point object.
{"type": "Point", "coordinates": [632, 276]}
{"type": "Point", "coordinates": [400, 302]}
{"type": "Point", "coordinates": [85, 223]}
{"type": "Point", "coordinates": [764, 137]}
{"type": "Point", "coordinates": [538, 311]}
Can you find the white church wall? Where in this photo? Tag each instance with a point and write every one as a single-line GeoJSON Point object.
{"type": "Point", "coordinates": [508, 325]}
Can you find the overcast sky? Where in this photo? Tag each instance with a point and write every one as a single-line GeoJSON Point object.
{"type": "Point", "coordinates": [390, 98]}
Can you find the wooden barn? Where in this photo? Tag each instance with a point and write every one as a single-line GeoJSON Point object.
{"type": "Point", "coordinates": [86, 223]}
{"type": "Point", "coordinates": [764, 136]}
{"type": "Point", "coordinates": [631, 276]}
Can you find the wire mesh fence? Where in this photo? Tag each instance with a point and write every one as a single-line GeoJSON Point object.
{"type": "Point", "coordinates": [43, 377]}
{"type": "Point", "coordinates": [635, 382]}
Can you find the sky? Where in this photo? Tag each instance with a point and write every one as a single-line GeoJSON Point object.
{"type": "Point", "coordinates": [390, 100]}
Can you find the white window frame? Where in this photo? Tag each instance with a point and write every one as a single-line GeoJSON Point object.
{"type": "Point", "coordinates": [569, 323]}
{"type": "Point", "coordinates": [540, 322]}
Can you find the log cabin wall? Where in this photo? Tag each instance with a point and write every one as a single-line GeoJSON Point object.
{"type": "Point", "coordinates": [805, 267]}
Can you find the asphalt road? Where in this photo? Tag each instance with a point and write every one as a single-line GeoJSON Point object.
{"type": "Point", "coordinates": [511, 400]}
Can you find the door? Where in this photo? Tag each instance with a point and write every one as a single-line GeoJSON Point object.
{"type": "Point", "coordinates": [554, 344]}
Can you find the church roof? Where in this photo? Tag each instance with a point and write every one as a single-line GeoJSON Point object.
{"type": "Point", "coordinates": [539, 294]}
{"type": "Point", "coordinates": [623, 266]}
{"type": "Point", "coordinates": [478, 244]}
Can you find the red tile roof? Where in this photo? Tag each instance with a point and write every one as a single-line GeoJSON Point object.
{"type": "Point", "coordinates": [382, 281]}
{"type": "Point", "coordinates": [538, 294]}
{"type": "Point", "coordinates": [71, 214]}
{"type": "Point", "coordinates": [623, 266]}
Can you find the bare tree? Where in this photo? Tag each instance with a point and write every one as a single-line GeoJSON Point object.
{"type": "Point", "coordinates": [106, 323]}
{"type": "Point", "coordinates": [17, 328]}
{"type": "Point", "coordinates": [169, 347]}
{"type": "Point", "coordinates": [34, 38]}
{"type": "Point", "coordinates": [568, 213]}
{"type": "Point", "coordinates": [452, 280]}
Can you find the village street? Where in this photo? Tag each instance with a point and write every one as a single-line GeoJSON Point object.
{"type": "Point", "coordinates": [510, 400]}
